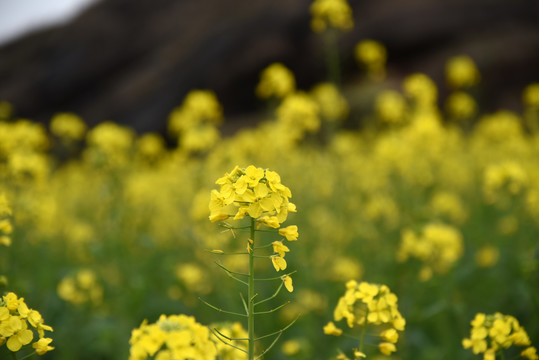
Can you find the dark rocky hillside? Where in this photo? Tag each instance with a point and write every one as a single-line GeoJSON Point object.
{"type": "Point", "coordinates": [132, 61]}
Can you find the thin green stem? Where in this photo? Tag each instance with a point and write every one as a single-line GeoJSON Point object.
{"type": "Point", "coordinates": [251, 291]}
{"type": "Point", "coordinates": [272, 296]}
{"type": "Point", "coordinates": [332, 54]}
{"type": "Point", "coordinates": [278, 331]}
{"type": "Point", "coordinates": [363, 332]}
{"type": "Point", "coordinates": [14, 355]}
{"type": "Point", "coordinates": [276, 277]}
{"type": "Point", "coordinates": [227, 253]}
{"type": "Point", "coordinates": [230, 271]}
{"type": "Point", "coordinates": [27, 356]}
{"type": "Point", "coordinates": [215, 331]}
{"type": "Point", "coordinates": [221, 310]}
{"type": "Point", "coordinates": [272, 310]}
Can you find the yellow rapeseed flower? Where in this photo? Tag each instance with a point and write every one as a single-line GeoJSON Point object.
{"type": "Point", "coordinates": [461, 72]}
{"type": "Point", "coordinates": [287, 280]}
{"type": "Point", "coordinates": [68, 126]}
{"type": "Point", "coordinates": [335, 14]}
{"type": "Point", "coordinates": [275, 81]}
{"type": "Point", "coordinates": [333, 105]}
{"type": "Point", "coordinates": [371, 55]}
{"type": "Point", "coordinates": [18, 323]}
{"type": "Point", "coordinates": [530, 95]}
{"type": "Point", "coordinates": [491, 333]}
{"type": "Point", "coordinates": [331, 329]}
{"type": "Point", "coordinates": [390, 107]}
{"type": "Point", "coordinates": [365, 304]}
{"type": "Point", "coordinates": [460, 106]}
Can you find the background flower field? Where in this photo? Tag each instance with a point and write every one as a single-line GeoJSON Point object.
{"type": "Point", "coordinates": [430, 196]}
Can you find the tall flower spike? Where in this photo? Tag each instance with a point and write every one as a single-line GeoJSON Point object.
{"type": "Point", "coordinates": [257, 195]}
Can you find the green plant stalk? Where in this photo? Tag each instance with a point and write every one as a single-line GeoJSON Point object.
{"type": "Point", "coordinates": [363, 332]}
{"type": "Point", "coordinates": [251, 293]}
{"type": "Point", "coordinates": [14, 355]}
{"type": "Point", "coordinates": [332, 57]}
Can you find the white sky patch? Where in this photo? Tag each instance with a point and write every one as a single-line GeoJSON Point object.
{"type": "Point", "coordinates": [18, 17]}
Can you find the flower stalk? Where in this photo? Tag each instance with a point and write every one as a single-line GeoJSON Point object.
{"type": "Point", "coordinates": [251, 292]}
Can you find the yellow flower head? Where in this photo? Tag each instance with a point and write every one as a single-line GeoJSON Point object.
{"type": "Point", "coordinates": [252, 191]}
{"type": "Point", "coordinates": [371, 55]}
{"type": "Point", "coordinates": [390, 107]}
{"type": "Point", "coordinates": [299, 113]}
{"type": "Point", "coordinates": [194, 123]}
{"type": "Point", "coordinates": [333, 105]}
{"type": "Point", "coordinates": [276, 81]}
{"type": "Point", "coordinates": [68, 126]}
{"type": "Point", "coordinates": [6, 228]}
{"type": "Point", "coordinates": [492, 332]}
{"type": "Point", "coordinates": [530, 95]}
{"type": "Point", "coordinates": [331, 329]}
{"type": "Point", "coordinates": [438, 246]}
{"type": "Point", "coordinates": [461, 72]}
{"type": "Point", "coordinates": [335, 14]}
{"type": "Point", "coordinates": [172, 337]}
{"type": "Point", "coordinates": [420, 88]}
{"type": "Point", "coordinates": [460, 106]}
{"type": "Point", "coordinates": [367, 304]}
{"type": "Point", "coordinates": [18, 323]}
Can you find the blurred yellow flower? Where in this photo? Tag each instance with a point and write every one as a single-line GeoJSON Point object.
{"type": "Point", "coordinates": [460, 106]}
{"type": "Point", "coordinates": [335, 14]}
{"type": "Point", "coordinates": [491, 333]}
{"type": "Point", "coordinates": [291, 347]}
{"type": "Point", "coordinates": [461, 72]}
{"type": "Point", "coordinates": [530, 95]}
{"type": "Point", "coordinates": [275, 81]}
{"type": "Point", "coordinates": [371, 55]}
{"type": "Point", "coordinates": [390, 107]}
{"type": "Point", "coordinates": [422, 90]}
{"type": "Point", "coordinates": [68, 126]}
{"type": "Point", "coordinates": [333, 105]}
{"type": "Point", "coordinates": [331, 329]}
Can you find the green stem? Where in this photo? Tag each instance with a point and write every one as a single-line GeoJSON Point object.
{"type": "Point", "coordinates": [29, 355]}
{"type": "Point", "coordinates": [14, 355]}
{"type": "Point", "coordinates": [251, 292]}
{"type": "Point", "coordinates": [363, 332]}
{"type": "Point", "coordinates": [332, 55]}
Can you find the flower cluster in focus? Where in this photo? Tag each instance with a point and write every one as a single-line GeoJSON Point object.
{"type": "Point", "coordinates": [15, 316]}
{"type": "Point", "coordinates": [259, 194]}
{"type": "Point", "coordinates": [251, 191]}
